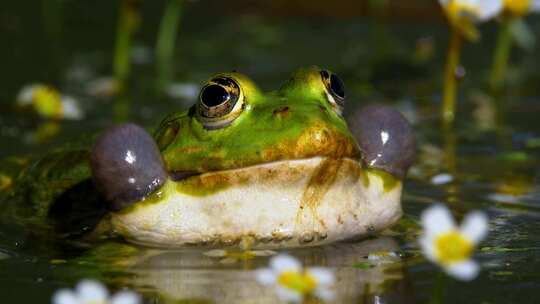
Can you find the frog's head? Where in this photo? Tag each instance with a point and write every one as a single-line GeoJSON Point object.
{"type": "Point", "coordinates": [235, 125]}
{"type": "Point", "coordinates": [235, 129]}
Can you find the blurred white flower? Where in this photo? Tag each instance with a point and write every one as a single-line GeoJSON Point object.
{"type": "Point", "coordinates": [292, 282]}
{"type": "Point", "coordinates": [521, 7]}
{"type": "Point", "coordinates": [47, 102]}
{"type": "Point", "coordinates": [450, 246]}
{"type": "Point", "coordinates": [463, 14]}
{"type": "Point", "coordinates": [477, 10]}
{"type": "Point", "coordinates": [103, 87]}
{"type": "Point", "coordinates": [93, 292]}
{"type": "Point", "coordinates": [187, 91]}
{"type": "Point", "coordinates": [71, 108]}
{"type": "Point", "coordinates": [441, 179]}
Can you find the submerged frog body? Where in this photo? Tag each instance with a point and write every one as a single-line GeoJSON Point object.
{"type": "Point", "coordinates": [275, 169]}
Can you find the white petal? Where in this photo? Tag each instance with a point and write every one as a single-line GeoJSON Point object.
{"type": "Point", "coordinates": [266, 276]}
{"type": "Point", "coordinates": [428, 248]}
{"type": "Point", "coordinates": [324, 294]}
{"type": "Point", "coordinates": [475, 226]}
{"type": "Point", "coordinates": [535, 6]}
{"type": "Point", "coordinates": [71, 108]}
{"type": "Point", "coordinates": [489, 9]}
{"type": "Point", "coordinates": [64, 296]}
{"type": "Point", "coordinates": [90, 290]}
{"type": "Point", "coordinates": [441, 179]}
{"type": "Point", "coordinates": [26, 94]}
{"type": "Point", "coordinates": [288, 295]}
{"type": "Point", "coordinates": [324, 276]}
{"type": "Point", "coordinates": [504, 198]}
{"type": "Point", "coordinates": [437, 219]}
{"type": "Point", "coordinates": [183, 90]}
{"type": "Point", "coordinates": [469, 2]}
{"type": "Point", "coordinates": [464, 271]}
{"type": "Point", "coordinates": [126, 297]}
{"type": "Point", "coordinates": [284, 262]}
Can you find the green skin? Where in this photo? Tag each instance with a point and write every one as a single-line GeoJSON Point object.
{"type": "Point", "coordinates": [289, 118]}
{"type": "Point", "coordinates": [298, 121]}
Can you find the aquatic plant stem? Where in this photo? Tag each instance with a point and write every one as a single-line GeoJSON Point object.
{"type": "Point", "coordinates": [166, 41]}
{"type": "Point", "coordinates": [450, 141]}
{"type": "Point", "coordinates": [127, 24]}
{"type": "Point", "coordinates": [502, 54]}
{"type": "Point", "coordinates": [450, 80]}
{"type": "Point", "coordinates": [437, 294]}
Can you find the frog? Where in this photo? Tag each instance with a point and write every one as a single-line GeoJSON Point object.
{"type": "Point", "coordinates": [240, 166]}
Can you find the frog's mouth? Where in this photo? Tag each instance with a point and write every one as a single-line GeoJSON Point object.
{"type": "Point", "coordinates": [322, 171]}
{"type": "Point", "coordinates": [284, 203]}
{"type": "Point", "coordinates": [183, 176]}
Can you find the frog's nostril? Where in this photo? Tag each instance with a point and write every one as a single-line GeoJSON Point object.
{"type": "Point", "coordinates": [386, 139]}
{"type": "Point", "coordinates": [282, 111]}
{"type": "Point", "coordinates": [126, 165]}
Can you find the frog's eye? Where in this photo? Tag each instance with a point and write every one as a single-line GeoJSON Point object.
{"type": "Point", "coordinates": [220, 102]}
{"type": "Point", "coordinates": [335, 89]}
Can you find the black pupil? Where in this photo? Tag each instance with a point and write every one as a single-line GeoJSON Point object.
{"type": "Point", "coordinates": [337, 86]}
{"type": "Point", "coordinates": [325, 74]}
{"type": "Point", "coordinates": [214, 95]}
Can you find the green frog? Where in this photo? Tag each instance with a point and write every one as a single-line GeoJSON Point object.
{"type": "Point", "coordinates": [241, 166]}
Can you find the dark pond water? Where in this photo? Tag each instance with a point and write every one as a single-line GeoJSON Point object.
{"type": "Point", "coordinates": [396, 59]}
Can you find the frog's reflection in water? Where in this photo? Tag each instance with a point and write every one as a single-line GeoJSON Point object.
{"type": "Point", "coordinates": [366, 272]}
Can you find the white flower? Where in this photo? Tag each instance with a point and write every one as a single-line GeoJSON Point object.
{"type": "Point", "coordinates": [462, 14]}
{"type": "Point", "coordinates": [292, 282]}
{"type": "Point", "coordinates": [93, 292]}
{"type": "Point", "coordinates": [450, 246]}
{"type": "Point", "coordinates": [188, 91]}
{"type": "Point", "coordinates": [477, 10]}
{"type": "Point", "coordinates": [103, 87]}
{"type": "Point", "coordinates": [521, 7]}
{"type": "Point", "coordinates": [441, 179]}
{"type": "Point", "coordinates": [71, 108]}
{"type": "Point", "coordinates": [48, 102]}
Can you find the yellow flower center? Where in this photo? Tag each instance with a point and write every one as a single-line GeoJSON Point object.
{"type": "Point", "coordinates": [302, 282]}
{"type": "Point", "coordinates": [5, 182]}
{"type": "Point", "coordinates": [452, 247]}
{"type": "Point", "coordinates": [48, 102]}
{"type": "Point", "coordinates": [517, 7]}
{"type": "Point", "coordinates": [458, 10]}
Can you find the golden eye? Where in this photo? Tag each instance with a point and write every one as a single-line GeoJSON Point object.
{"type": "Point", "coordinates": [335, 89]}
{"type": "Point", "coordinates": [220, 102]}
